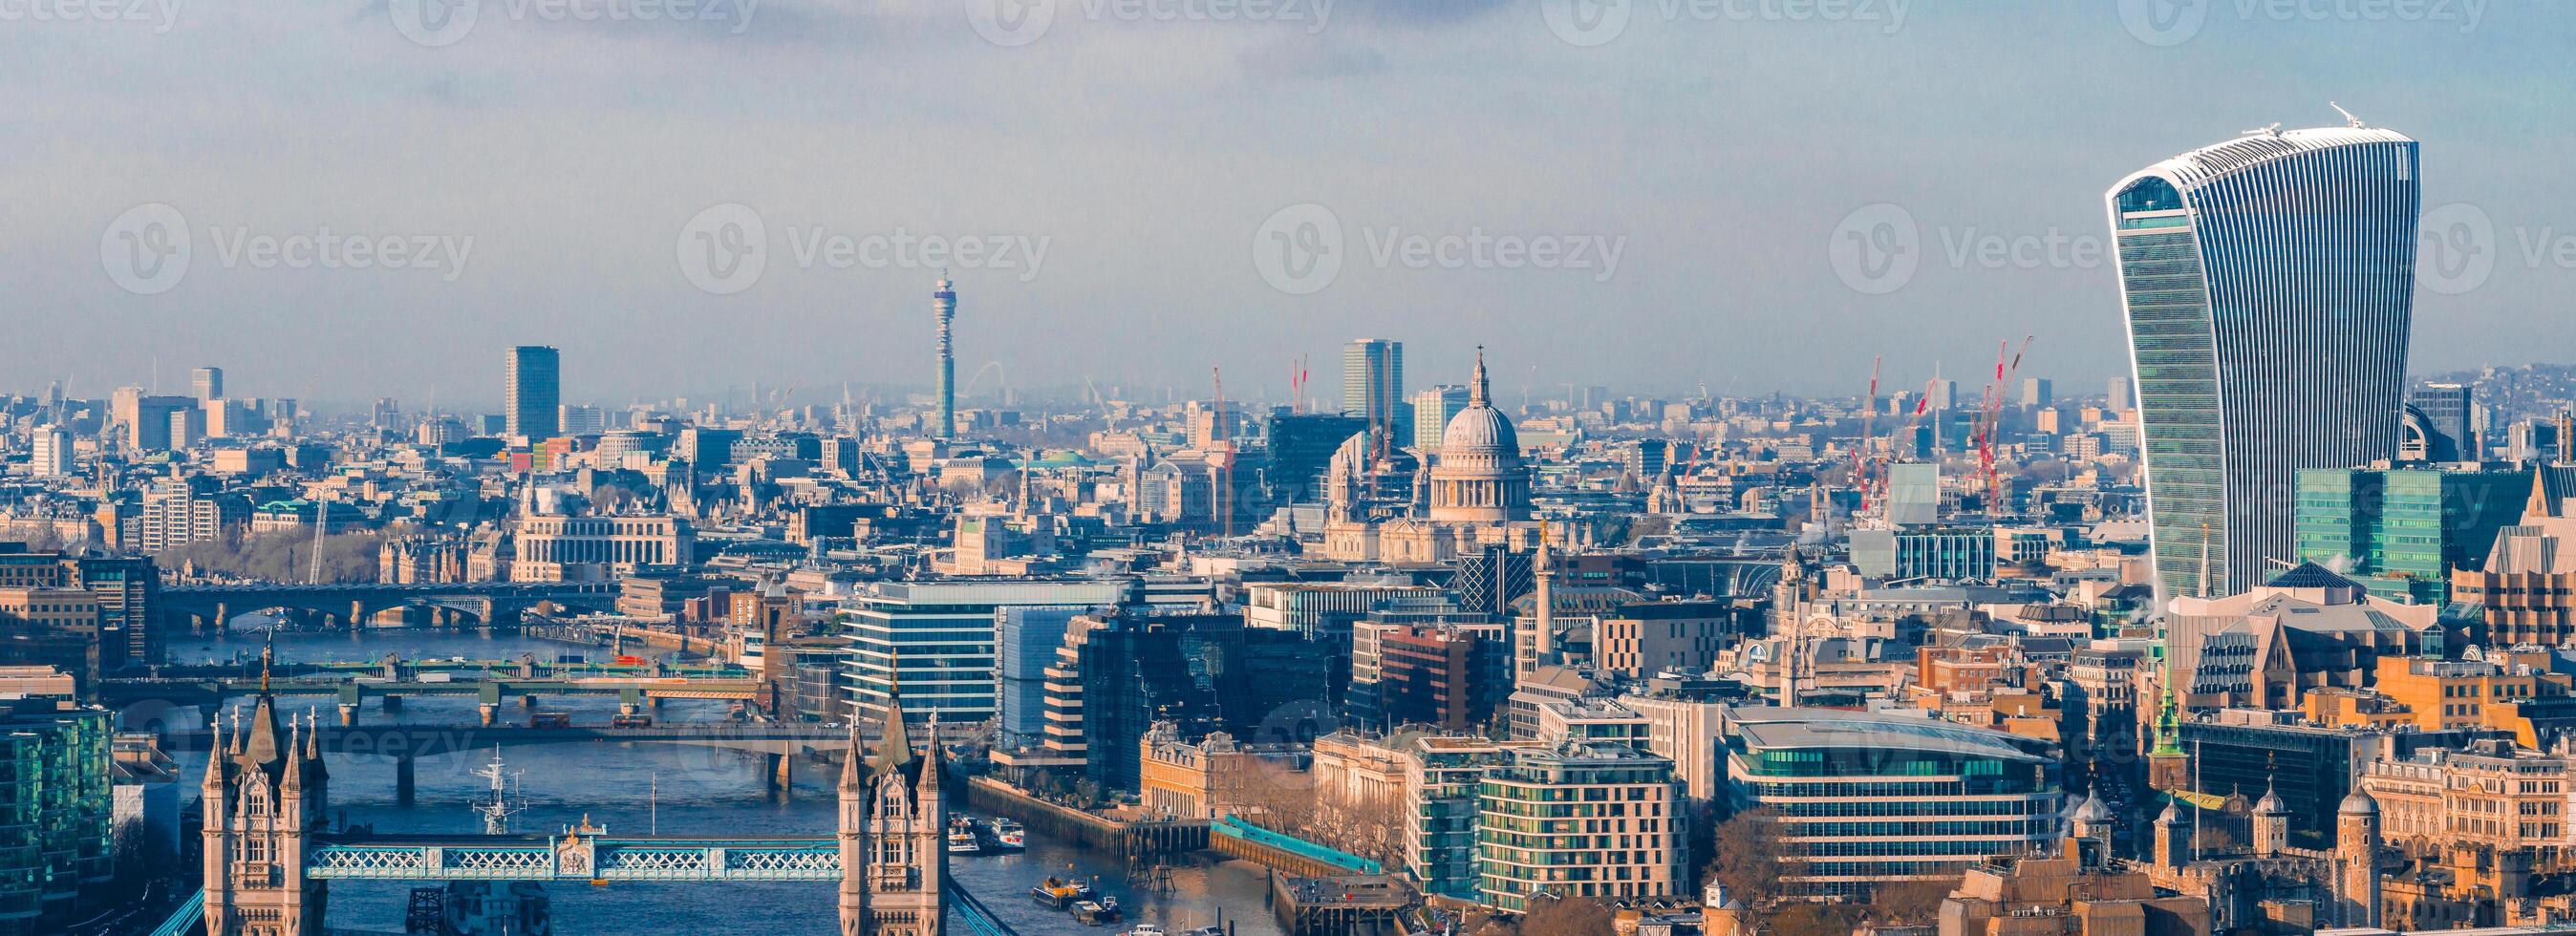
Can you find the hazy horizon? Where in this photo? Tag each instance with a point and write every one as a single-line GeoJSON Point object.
{"type": "Point", "coordinates": [555, 176]}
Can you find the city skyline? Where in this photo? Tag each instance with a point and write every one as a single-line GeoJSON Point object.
{"type": "Point", "coordinates": [1713, 155]}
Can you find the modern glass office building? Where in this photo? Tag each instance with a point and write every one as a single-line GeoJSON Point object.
{"type": "Point", "coordinates": [55, 809]}
{"type": "Point", "coordinates": [2400, 531]}
{"type": "Point", "coordinates": [1867, 799]}
{"type": "Point", "coordinates": [2268, 284]}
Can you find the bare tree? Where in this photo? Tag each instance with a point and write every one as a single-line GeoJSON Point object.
{"type": "Point", "coordinates": [1910, 903]}
{"type": "Point", "coordinates": [1750, 859]}
{"type": "Point", "coordinates": [1550, 915]}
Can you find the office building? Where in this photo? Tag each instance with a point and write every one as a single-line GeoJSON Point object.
{"type": "Point", "coordinates": [208, 382]}
{"type": "Point", "coordinates": [1914, 493]}
{"type": "Point", "coordinates": [2118, 398]}
{"type": "Point", "coordinates": [55, 812]}
{"type": "Point", "coordinates": [177, 513]}
{"type": "Point", "coordinates": [2449, 409]}
{"type": "Point", "coordinates": [534, 394]}
{"type": "Point", "coordinates": [2268, 286]}
{"type": "Point", "coordinates": [1373, 385]}
{"type": "Point", "coordinates": [1933, 552]}
{"type": "Point", "coordinates": [1867, 799]}
{"type": "Point", "coordinates": [2037, 392]}
{"type": "Point", "coordinates": [1301, 449]}
{"type": "Point", "coordinates": [2401, 531]}
{"type": "Point", "coordinates": [1432, 410]}
{"type": "Point", "coordinates": [142, 422]}
{"type": "Point", "coordinates": [2525, 591]}
{"type": "Point", "coordinates": [943, 636]}
{"type": "Point", "coordinates": [2539, 441]}
{"type": "Point", "coordinates": [51, 453]}
{"type": "Point", "coordinates": [1029, 636]}
{"type": "Point", "coordinates": [572, 419]}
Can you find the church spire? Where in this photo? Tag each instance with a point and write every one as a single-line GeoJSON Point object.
{"type": "Point", "coordinates": [1480, 392]}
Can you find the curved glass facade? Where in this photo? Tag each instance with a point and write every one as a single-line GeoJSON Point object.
{"type": "Point", "coordinates": [1865, 801]}
{"type": "Point", "coordinates": [2268, 284]}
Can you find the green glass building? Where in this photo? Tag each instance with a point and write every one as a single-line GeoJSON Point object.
{"type": "Point", "coordinates": [2399, 531]}
{"type": "Point", "coordinates": [55, 809]}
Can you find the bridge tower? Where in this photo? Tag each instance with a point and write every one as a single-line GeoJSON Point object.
{"type": "Point", "coordinates": [893, 835]}
{"type": "Point", "coordinates": [263, 797]}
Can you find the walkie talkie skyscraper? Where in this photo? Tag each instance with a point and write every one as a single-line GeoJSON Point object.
{"type": "Point", "coordinates": [2268, 283]}
{"type": "Point", "coordinates": [944, 302]}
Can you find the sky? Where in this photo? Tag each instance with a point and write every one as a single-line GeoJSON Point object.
{"type": "Point", "coordinates": [340, 200]}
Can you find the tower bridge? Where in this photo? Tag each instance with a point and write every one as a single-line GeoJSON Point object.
{"type": "Point", "coordinates": [270, 855]}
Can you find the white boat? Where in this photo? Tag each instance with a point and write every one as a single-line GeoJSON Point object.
{"type": "Point", "coordinates": [1145, 929]}
{"type": "Point", "coordinates": [1009, 835]}
{"type": "Point", "coordinates": [962, 842]}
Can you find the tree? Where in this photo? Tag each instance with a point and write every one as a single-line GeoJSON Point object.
{"type": "Point", "coordinates": [1802, 918]}
{"type": "Point", "coordinates": [1750, 861]}
{"type": "Point", "coordinates": [1910, 903]}
{"type": "Point", "coordinates": [1550, 915]}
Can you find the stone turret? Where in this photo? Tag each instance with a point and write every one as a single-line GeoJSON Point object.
{"type": "Point", "coordinates": [2271, 824]}
{"type": "Point", "coordinates": [2356, 858]}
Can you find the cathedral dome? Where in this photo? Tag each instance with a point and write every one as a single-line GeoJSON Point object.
{"type": "Point", "coordinates": [1479, 477]}
{"type": "Point", "coordinates": [1479, 430]}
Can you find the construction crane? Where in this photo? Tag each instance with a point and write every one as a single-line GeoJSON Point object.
{"type": "Point", "coordinates": [1868, 430]}
{"type": "Point", "coordinates": [1221, 456]}
{"type": "Point", "coordinates": [1874, 489]}
{"type": "Point", "coordinates": [1990, 420]}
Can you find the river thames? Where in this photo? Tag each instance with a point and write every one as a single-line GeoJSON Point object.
{"type": "Point", "coordinates": [641, 788]}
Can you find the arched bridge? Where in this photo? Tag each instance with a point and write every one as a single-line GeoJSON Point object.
{"type": "Point", "coordinates": [211, 607]}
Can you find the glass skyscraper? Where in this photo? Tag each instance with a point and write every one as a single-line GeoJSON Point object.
{"type": "Point", "coordinates": [535, 392]}
{"type": "Point", "coordinates": [2268, 284]}
{"type": "Point", "coordinates": [1373, 385]}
